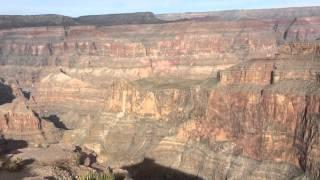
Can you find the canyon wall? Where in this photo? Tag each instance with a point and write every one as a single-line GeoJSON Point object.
{"type": "Point", "coordinates": [216, 97]}
{"type": "Point", "coordinates": [19, 122]}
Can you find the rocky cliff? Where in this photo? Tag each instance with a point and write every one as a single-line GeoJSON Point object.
{"type": "Point", "coordinates": [18, 121]}
{"type": "Point", "coordinates": [216, 97]}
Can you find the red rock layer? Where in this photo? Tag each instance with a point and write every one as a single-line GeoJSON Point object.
{"type": "Point", "coordinates": [265, 101]}
{"type": "Point", "coordinates": [18, 121]}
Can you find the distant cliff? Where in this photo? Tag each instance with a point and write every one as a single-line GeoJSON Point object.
{"type": "Point", "coordinates": [15, 21]}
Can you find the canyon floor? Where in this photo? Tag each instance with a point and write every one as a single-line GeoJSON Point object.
{"type": "Point", "coordinates": [215, 95]}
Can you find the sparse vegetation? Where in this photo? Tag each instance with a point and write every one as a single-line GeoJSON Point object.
{"type": "Point", "coordinates": [13, 165]}
{"type": "Point", "coordinates": [63, 170]}
{"type": "Point", "coordinates": [97, 176]}
{"type": "Point", "coordinates": [78, 158]}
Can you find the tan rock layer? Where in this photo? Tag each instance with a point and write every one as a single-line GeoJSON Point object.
{"type": "Point", "coordinates": [18, 121]}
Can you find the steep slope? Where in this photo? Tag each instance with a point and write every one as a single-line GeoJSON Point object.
{"type": "Point", "coordinates": [19, 122]}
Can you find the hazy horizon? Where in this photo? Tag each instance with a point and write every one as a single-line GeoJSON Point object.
{"type": "Point", "coordinates": [95, 7]}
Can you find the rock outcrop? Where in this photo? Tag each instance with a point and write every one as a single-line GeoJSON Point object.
{"type": "Point", "coordinates": [19, 122]}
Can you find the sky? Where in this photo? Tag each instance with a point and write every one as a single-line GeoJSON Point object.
{"type": "Point", "coordinates": [76, 8]}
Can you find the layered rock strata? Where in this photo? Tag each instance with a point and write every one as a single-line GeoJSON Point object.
{"type": "Point", "coordinates": [216, 98]}
{"type": "Point", "coordinates": [19, 122]}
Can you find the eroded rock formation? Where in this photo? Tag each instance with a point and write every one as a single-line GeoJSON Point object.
{"type": "Point", "coordinates": [18, 121]}
{"type": "Point", "coordinates": [217, 97]}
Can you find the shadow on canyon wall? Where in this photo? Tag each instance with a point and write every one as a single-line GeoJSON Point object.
{"type": "Point", "coordinates": [11, 145]}
{"type": "Point", "coordinates": [56, 121]}
{"type": "Point", "coordinates": [148, 169]}
{"type": "Point", "coordinates": [13, 168]}
{"type": "Point", "coordinates": [26, 94]}
{"type": "Point", "coordinates": [6, 95]}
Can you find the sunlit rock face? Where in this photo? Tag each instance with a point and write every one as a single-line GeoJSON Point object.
{"type": "Point", "coordinates": [19, 121]}
{"type": "Point", "coordinates": [217, 97]}
{"type": "Point", "coordinates": [264, 122]}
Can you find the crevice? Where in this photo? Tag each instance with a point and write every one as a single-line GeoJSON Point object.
{"type": "Point", "coordinates": [50, 48]}
{"type": "Point", "coordinates": [285, 35]}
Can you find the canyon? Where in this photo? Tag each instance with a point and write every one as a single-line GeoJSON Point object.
{"type": "Point", "coordinates": [217, 95]}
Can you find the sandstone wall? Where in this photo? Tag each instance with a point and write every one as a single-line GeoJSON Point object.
{"type": "Point", "coordinates": [217, 98]}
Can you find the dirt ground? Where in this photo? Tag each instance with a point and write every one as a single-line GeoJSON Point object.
{"type": "Point", "coordinates": [44, 163]}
